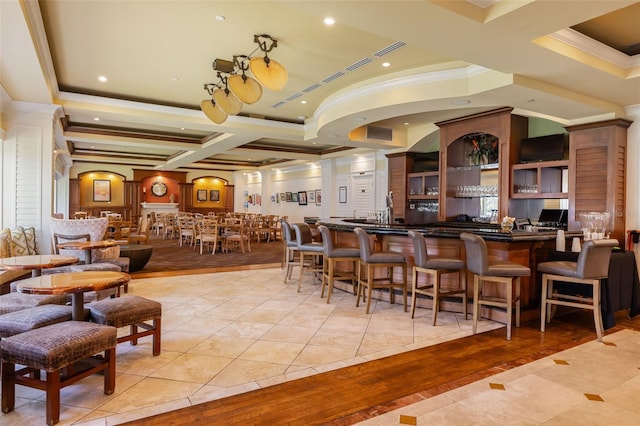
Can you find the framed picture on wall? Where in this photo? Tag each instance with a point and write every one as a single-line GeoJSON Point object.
{"type": "Point", "coordinates": [214, 195]}
{"type": "Point", "coordinates": [283, 197]}
{"type": "Point", "coordinates": [294, 197]}
{"type": "Point", "coordinates": [288, 197]}
{"type": "Point", "coordinates": [302, 198]}
{"type": "Point", "coordinates": [342, 194]}
{"type": "Point", "coordinates": [101, 190]}
{"type": "Point", "coordinates": [311, 196]}
{"type": "Point", "coordinates": [318, 197]}
{"type": "Point", "coordinates": [201, 195]}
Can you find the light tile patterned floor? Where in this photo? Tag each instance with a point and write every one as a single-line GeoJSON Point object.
{"type": "Point", "coordinates": [591, 384]}
{"type": "Point", "coordinates": [231, 332]}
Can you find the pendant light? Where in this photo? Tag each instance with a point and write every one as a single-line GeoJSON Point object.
{"type": "Point", "coordinates": [213, 112]}
{"type": "Point", "coordinates": [246, 88]}
{"type": "Point", "coordinates": [268, 72]}
{"type": "Point", "coordinates": [225, 99]}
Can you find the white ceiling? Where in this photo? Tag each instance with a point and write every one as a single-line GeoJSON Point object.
{"type": "Point", "coordinates": [157, 55]}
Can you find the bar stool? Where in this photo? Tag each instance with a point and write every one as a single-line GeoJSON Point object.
{"type": "Point", "coordinates": [501, 271]}
{"type": "Point", "coordinates": [384, 259]}
{"type": "Point", "coordinates": [435, 267]}
{"type": "Point", "coordinates": [290, 246]}
{"type": "Point", "coordinates": [333, 255]}
{"type": "Point", "coordinates": [307, 247]}
{"type": "Point", "coordinates": [591, 267]}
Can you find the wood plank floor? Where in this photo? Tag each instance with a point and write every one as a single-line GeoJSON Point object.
{"type": "Point", "coordinates": [355, 393]}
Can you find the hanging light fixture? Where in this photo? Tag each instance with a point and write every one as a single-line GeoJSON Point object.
{"type": "Point", "coordinates": [268, 72]}
{"type": "Point", "coordinates": [225, 99]}
{"type": "Point", "coordinates": [210, 109]}
{"type": "Point", "coordinates": [236, 87]}
{"type": "Point", "coordinates": [246, 88]}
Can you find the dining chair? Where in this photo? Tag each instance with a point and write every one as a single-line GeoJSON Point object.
{"type": "Point", "coordinates": [186, 230]}
{"type": "Point", "coordinates": [435, 267]}
{"type": "Point", "coordinates": [498, 271]}
{"type": "Point", "coordinates": [207, 235]}
{"type": "Point", "coordinates": [334, 255]}
{"type": "Point", "coordinates": [370, 261]}
{"type": "Point", "coordinates": [308, 249]}
{"type": "Point", "coordinates": [590, 269]}
{"type": "Point", "coordinates": [239, 235]}
{"type": "Point", "coordinates": [139, 234]}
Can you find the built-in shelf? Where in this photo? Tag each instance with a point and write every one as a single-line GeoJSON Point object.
{"type": "Point", "coordinates": [545, 179]}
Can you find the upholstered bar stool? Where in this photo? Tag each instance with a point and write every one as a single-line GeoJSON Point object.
{"type": "Point", "coordinates": [500, 271]}
{"type": "Point", "coordinates": [435, 267]}
{"type": "Point", "coordinates": [290, 248]}
{"type": "Point", "coordinates": [307, 248]}
{"type": "Point", "coordinates": [591, 267]}
{"type": "Point", "coordinates": [370, 261]}
{"type": "Point", "coordinates": [333, 255]}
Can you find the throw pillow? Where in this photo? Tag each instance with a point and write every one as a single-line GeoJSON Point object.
{"type": "Point", "coordinates": [5, 243]}
{"type": "Point", "coordinates": [19, 242]}
{"type": "Point", "coordinates": [30, 235]}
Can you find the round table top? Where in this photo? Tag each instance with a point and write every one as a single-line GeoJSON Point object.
{"type": "Point", "coordinates": [37, 261]}
{"type": "Point", "coordinates": [83, 245]}
{"type": "Point", "coordinates": [73, 282]}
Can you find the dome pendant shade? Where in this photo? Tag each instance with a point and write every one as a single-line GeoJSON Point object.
{"type": "Point", "coordinates": [269, 73]}
{"type": "Point", "coordinates": [227, 101]}
{"type": "Point", "coordinates": [212, 111]}
{"type": "Point", "coordinates": [247, 89]}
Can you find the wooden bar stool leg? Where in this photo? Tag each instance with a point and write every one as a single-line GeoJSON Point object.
{"type": "Point", "coordinates": [509, 306]}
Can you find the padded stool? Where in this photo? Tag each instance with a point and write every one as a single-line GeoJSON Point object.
{"type": "Point", "coordinates": [29, 319]}
{"type": "Point", "coordinates": [501, 271]}
{"type": "Point", "coordinates": [307, 247]}
{"type": "Point", "coordinates": [16, 301]}
{"type": "Point", "coordinates": [333, 255]}
{"type": "Point", "coordinates": [130, 311]}
{"type": "Point", "coordinates": [384, 259]}
{"type": "Point", "coordinates": [435, 267]}
{"type": "Point", "coordinates": [51, 348]}
{"type": "Point", "coordinates": [591, 267]}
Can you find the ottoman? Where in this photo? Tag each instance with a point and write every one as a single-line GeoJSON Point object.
{"type": "Point", "coordinates": [138, 254]}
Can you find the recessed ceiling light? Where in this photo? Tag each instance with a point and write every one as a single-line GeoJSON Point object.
{"type": "Point", "coordinates": [302, 117]}
{"type": "Point", "coordinates": [460, 102]}
{"type": "Point", "coordinates": [329, 21]}
{"type": "Point", "coordinates": [102, 78]}
{"type": "Point", "coordinates": [386, 64]}
{"type": "Point", "coordinates": [303, 102]}
{"type": "Point", "coordinates": [406, 123]}
{"type": "Point", "coordinates": [96, 118]}
{"type": "Point", "coordinates": [175, 78]}
{"type": "Point", "coordinates": [220, 18]}
{"type": "Point", "coordinates": [93, 146]}
{"type": "Point", "coordinates": [181, 128]}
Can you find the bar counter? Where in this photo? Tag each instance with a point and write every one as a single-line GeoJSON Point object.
{"type": "Point", "coordinates": [443, 238]}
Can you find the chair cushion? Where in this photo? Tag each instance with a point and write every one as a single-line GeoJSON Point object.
{"type": "Point", "coordinates": [345, 252]}
{"type": "Point", "coordinates": [54, 346]}
{"type": "Point", "coordinates": [444, 263]}
{"type": "Point", "coordinates": [32, 318]}
{"type": "Point", "coordinates": [387, 257]}
{"type": "Point", "coordinates": [12, 302]}
{"type": "Point", "coordinates": [314, 247]}
{"type": "Point", "coordinates": [559, 267]}
{"type": "Point", "coordinates": [504, 268]}
{"type": "Point", "coordinates": [123, 311]}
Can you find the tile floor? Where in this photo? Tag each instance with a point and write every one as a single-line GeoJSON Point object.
{"type": "Point", "coordinates": [591, 384]}
{"type": "Point", "coordinates": [231, 332]}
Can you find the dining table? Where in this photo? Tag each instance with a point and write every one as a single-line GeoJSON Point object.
{"type": "Point", "coordinates": [36, 262]}
{"type": "Point", "coordinates": [87, 246]}
{"type": "Point", "coordinates": [74, 284]}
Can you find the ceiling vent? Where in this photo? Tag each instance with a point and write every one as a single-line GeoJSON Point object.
{"type": "Point", "coordinates": [380, 133]}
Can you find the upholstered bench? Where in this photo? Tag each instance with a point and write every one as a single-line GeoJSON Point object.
{"type": "Point", "coordinates": [51, 348]}
{"type": "Point", "coordinates": [12, 302]}
{"type": "Point", "coordinates": [131, 311]}
{"type": "Point", "coordinates": [29, 319]}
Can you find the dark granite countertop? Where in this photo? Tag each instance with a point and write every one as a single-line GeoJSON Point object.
{"type": "Point", "coordinates": [443, 230]}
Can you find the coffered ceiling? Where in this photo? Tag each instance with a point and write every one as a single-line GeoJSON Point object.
{"type": "Point", "coordinates": [568, 61]}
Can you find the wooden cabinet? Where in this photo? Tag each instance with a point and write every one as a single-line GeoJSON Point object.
{"type": "Point", "coordinates": [455, 170]}
{"type": "Point", "coordinates": [399, 167]}
{"type": "Point", "coordinates": [597, 169]}
{"type": "Point", "coordinates": [547, 179]}
{"type": "Point", "coordinates": [423, 185]}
